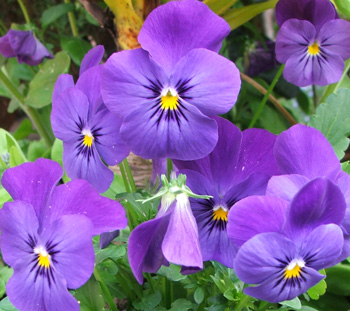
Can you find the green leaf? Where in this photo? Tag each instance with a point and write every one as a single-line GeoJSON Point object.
{"type": "Point", "coordinates": [338, 279]}
{"type": "Point", "coordinates": [319, 289]}
{"type": "Point", "coordinates": [148, 302]}
{"type": "Point", "coordinates": [6, 305]}
{"type": "Point", "coordinates": [239, 16]}
{"type": "Point", "coordinates": [41, 87]}
{"type": "Point", "coordinates": [5, 274]}
{"type": "Point", "coordinates": [76, 48]}
{"type": "Point", "coordinates": [331, 120]}
{"type": "Point", "coordinates": [37, 149]}
{"type": "Point", "coordinates": [112, 251]}
{"type": "Point", "coordinates": [346, 167]}
{"type": "Point", "coordinates": [343, 6]}
{"type": "Point", "coordinates": [181, 305]}
{"type": "Point", "coordinates": [15, 157]}
{"type": "Point", "coordinates": [198, 295]}
{"type": "Point", "coordinates": [220, 6]}
{"type": "Point", "coordinates": [55, 12]}
{"type": "Point", "coordinates": [23, 130]}
{"type": "Point", "coordinates": [172, 273]}
{"type": "Point", "coordinates": [294, 303]}
{"type": "Point", "coordinates": [90, 297]}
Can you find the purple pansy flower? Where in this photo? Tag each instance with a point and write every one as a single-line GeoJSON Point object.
{"type": "Point", "coordinates": [89, 131]}
{"type": "Point", "coordinates": [239, 166]}
{"type": "Point", "coordinates": [24, 46]}
{"type": "Point", "coordinates": [168, 92]}
{"type": "Point", "coordinates": [282, 255]}
{"type": "Point", "coordinates": [46, 234]}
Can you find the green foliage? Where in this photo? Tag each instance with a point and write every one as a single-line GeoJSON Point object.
{"type": "Point", "coordinates": [294, 303]}
{"type": "Point", "coordinates": [344, 7]}
{"type": "Point", "coordinates": [6, 305]}
{"type": "Point", "coordinates": [89, 296]}
{"type": "Point", "coordinates": [149, 302]}
{"type": "Point", "coordinates": [338, 279]}
{"type": "Point", "coordinates": [319, 289]}
{"type": "Point", "coordinates": [54, 12]}
{"type": "Point", "coordinates": [76, 48]}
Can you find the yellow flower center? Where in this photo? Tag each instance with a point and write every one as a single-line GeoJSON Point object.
{"type": "Point", "coordinates": [313, 49]}
{"type": "Point", "coordinates": [169, 100]}
{"type": "Point", "coordinates": [220, 213]}
{"type": "Point", "coordinates": [293, 270]}
{"type": "Point", "coordinates": [88, 138]}
{"type": "Point", "coordinates": [44, 261]}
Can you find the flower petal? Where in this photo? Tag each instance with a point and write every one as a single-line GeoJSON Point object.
{"type": "Point", "coordinates": [173, 29]}
{"type": "Point", "coordinates": [92, 58]}
{"type": "Point", "coordinates": [344, 186]}
{"type": "Point", "coordinates": [63, 82]}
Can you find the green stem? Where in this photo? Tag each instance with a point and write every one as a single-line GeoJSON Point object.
{"type": "Point", "coordinates": [29, 111]}
{"type": "Point", "coordinates": [264, 100]}
{"type": "Point", "coordinates": [72, 22]}
{"type": "Point", "coordinates": [169, 168]}
{"type": "Point", "coordinates": [130, 177]}
{"type": "Point", "coordinates": [106, 294]}
{"type": "Point", "coordinates": [24, 11]}
{"type": "Point", "coordinates": [166, 293]}
{"type": "Point", "coordinates": [242, 303]}
{"type": "Point", "coordinates": [3, 28]}
{"type": "Point", "coordinates": [125, 179]}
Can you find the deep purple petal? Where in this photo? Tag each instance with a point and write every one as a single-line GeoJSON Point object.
{"type": "Point", "coordinates": [334, 38]}
{"type": "Point", "coordinates": [17, 222]}
{"type": "Point", "coordinates": [127, 79]}
{"type": "Point", "coordinates": [144, 247]}
{"type": "Point", "coordinates": [79, 197]}
{"type": "Point", "coordinates": [181, 242]}
{"type": "Point", "coordinates": [63, 82]}
{"type": "Point", "coordinates": [247, 217]}
{"type": "Point", "coordinates": [219, 166]}
{"type": "Point", "coordinates": [75, 255]}
{"type": "Point", "coordinates": [6, 49]}
{"type": "Point", "coordinates": [305, 151]}
{"type": "Point", "coordinates": [319, 202]}
{"type": "Point", "coordinates": [173, 29]}
{"type": "Point", "coordinates": [286, 186]}
{"type": "Point", "coordinates": [70, 114]}
{"type": "Point", "coordinates": [344, 186]}
{"type": "Point", "coordinates": [210, 78]}
{"type": "Point", "coordinates": [86, 165]}
{"type": "Point", "coordinates": [317, 12]}
{"type": "Point", "coordinates": [188, 136]}
{"type": "Point", "coordinates": [32, 182]}
{"type": "Point", "coordinates": [92, 58]}
{"type": "Point", "coordinates": [323, 246]}
{"type": "Point", "coordinates": [38, 56]}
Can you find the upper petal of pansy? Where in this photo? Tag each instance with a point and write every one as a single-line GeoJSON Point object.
{"type": "Point", "coordinates": [173, 29]}
{"type": "Point", "coordinates": [305, 151]}
{"type": "Point", "coordinates": [183, 133]}
{"type": "Point", "coordinates": [6, 49]}
{"type": "Point", "coordinates": [18, 225]}
{"type": "Point", "coordinates": [92, 58]}
{"type": "Point", "coordinates": [130, 79]}
{"type": "Point", "coordinates": [22, 42]}
{"type": "Point", "coordinates": [84, 162]}
{"type": "Point", "coordinates": [344, 186]}
{"type": "Point", "coordinates": [286, 186]}
{"type": "Point", "coordinates": [70, 114]}
{"type": "Point", "coordinates": [317, 12]}
{"type": "Point", "coordinates": [247, 217]}
{"type": "Point", "coordinates": [219, 166]}
{"type": "Point", "coordinates": [181, 242]}
{"type": "Point", "coordinates": [37, 57]}
{"type": "Point", "coordinates": [33, 182]}
{"type": "Point", "coordinates": [63, 82]}
{"type": "Point", "coordinates": [319, 202]}
{"type": "Point", "coordinates": [203, 77]}
{"type": "Point", "coordinates": [334, 38]}
{"type": "Point", "coordinates": [79, 197]}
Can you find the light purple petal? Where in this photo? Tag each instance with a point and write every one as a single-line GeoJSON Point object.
{"type": "Point", "coordinates": [38, 56]}
{"type": "Point", "coordinates": [334, 38]}
{"type": "Point", "coordinates": [319, 202]}
{"type": "Point", "coordinates": [17, 222]}
{"type": "Point", "coordinates": [6, 49]}
{"type": "Point", "coordinates": [323, 246]}
{"type": "Point", "coordinates": [127, 79]}
{"type": "Point", "coordinates": [22, 43]}
{"type": "Point", "coordinates": [86, 165]}
{"type": "Point", "coordinates": [75, 255]}
{"type": "Point", "coordinates": [344, 186]}
{"type": "Point", "coordinates": [189, 136]}
{"type": "Point", "coordinates": [33, 182]}
{"type": "Point", "coordinates": [144, 247]}
{"type": "Point", "coordinates": [211, 79]}
{"type": "Point", "coordinates": [247, 217]}
{"type": "Point", "coordinates": [79, 197]}
{"type": "Point", "coordinates": [286, 186]}
{"type": "Point", "coordinates": [173, 29]}
{"type": "Point", "coordinates": [181, 242]}
{"type": "Point", "coordinates": [305, 151]}
{"type": "Point", "coordinates": [63, 82]}
{"type": "Point", "coordinates": [92, 58]}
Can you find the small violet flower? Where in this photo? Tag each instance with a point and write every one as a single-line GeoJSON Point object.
{"type": "Point", "coordinates": [239, 166]}
{"type": "Point", "coordinates": [171, 237]}
{"type": "Point", "coordinates": [282, 255]}
{"type": "Point", "coordinates": [89, 131]}
{"type": "Point", "coordinates": [312, 43]}
{"type": "Point", "coordinates": [168, 91]}
{"type": "Point", "coordinates": [25, 46]}
{"type": "Point", "coordinates": [46, 234]}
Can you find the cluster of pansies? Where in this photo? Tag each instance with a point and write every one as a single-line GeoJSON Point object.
{"type": "Point", "coordinates": [276, 209]}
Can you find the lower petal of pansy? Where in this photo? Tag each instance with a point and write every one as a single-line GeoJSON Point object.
{"type": "Point", "coordinates": [183, 133]}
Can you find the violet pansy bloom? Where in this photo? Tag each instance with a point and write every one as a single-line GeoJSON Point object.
{"type": "Point", "coordinates": [46, 234]}
{"type": "Point", "coordinates": [23, 45]}
{"type": "Point", "coordinates": [89, 131]}
{"type": "Point", "coordinates": [282, 256]}
{"type": "Point", "coordinates": [165, 91]}
{"type": "Point", "coordinates": [239, 166]}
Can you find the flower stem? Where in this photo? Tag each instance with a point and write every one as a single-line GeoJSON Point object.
{"type": "Point", "coordinates": [125, 179]}
{"type": "Point", "coordinates": [72, 22]}
{"type": "Point", "coordinates": [130, 177]}
{"type": "Point", "coordinates": [106, 294]}
{"type": "Point", "coordinates": [24, 11]}
{"type": "Point", "coordinates": [29, 111]}
{"type": "Point", "coordinates": [169, 168]}
{"type": "Point", "coordinates": [242, 303]}
{"type": "Point", "coordinates": [264, 100]}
